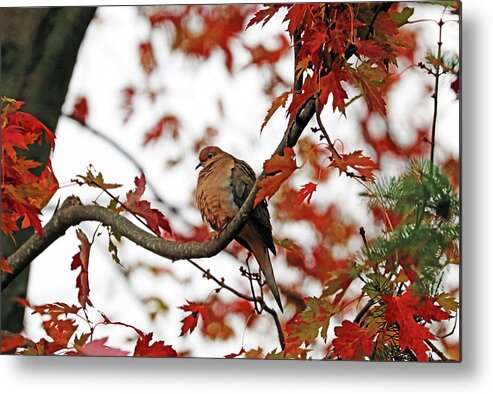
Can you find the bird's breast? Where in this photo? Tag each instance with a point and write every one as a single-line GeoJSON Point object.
{"type": "Point", "coordinates": [214, 196]}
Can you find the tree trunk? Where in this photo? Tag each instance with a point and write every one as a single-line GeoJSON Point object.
{"type": "Point", "coordinates": [38, 54]}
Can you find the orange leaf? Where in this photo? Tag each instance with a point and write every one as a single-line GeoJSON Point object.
{"type": "Point", "coordinates": [331, 84]}
{"type": "Point", "coordinates": [306, 192]}
{"type": "Point", "coordinates": [12, 342]}
{"type": "Point", "coordinates": [264, 15]}
{"type": "Point", "coordinates": [278, 102]}
{"type": "Point", "coordinates": [278, 168]}
{"type": "Point", "coordinates": [81, 260]}
{"type": "Point", "coordinates": [54, 310]}
{"type": "Point", "coordinates": [60, 330]}
{"type": "Point", "coordinates": [362, 164]}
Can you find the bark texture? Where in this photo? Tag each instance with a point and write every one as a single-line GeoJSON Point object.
{"type": "Point", "coordinates": [39, 48]}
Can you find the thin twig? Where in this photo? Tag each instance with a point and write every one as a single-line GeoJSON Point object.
{"type": "Point", "coordinates": [453, 328]}
{"type": "Point", "coordinates": [435, 93]}
{"type": "Point", "coordinates": [208, 275]}
{"type": "Point", "coordinates": [332, 149]}
{"type": "Point", "coordinates": [274, 315]}
{"type": "Point", "coordinates": [260, 301]}
{"type": "Point", "coordinates": [130, 158]}
{"type": "Point", "coordinates": [257, 308]}
{"type": "Point", "coordinates": [436, 350]}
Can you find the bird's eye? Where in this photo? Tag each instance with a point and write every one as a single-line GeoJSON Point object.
{"type": "Point", "coordinates": [209, 156]}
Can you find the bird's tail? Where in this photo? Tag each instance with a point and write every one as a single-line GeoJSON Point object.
{"type": "Point", "coordinates": [263, 259]}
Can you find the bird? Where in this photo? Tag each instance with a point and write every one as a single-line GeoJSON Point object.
{"type": "Point", "coordinates": [223, 185]}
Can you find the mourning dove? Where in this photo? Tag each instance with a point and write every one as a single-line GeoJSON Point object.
{"type": "Point", "coordinates": [223, 185]}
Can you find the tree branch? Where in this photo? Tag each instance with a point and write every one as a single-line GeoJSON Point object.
{"type": "Point", "coordinates": [73, 213]}
{"type": "Point", "coordinates": [437, 351]}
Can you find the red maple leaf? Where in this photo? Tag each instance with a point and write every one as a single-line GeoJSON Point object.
{"type": "Point", "coordinates": [343, 25]}
{"type": "Point", "coordinates": [154, 218]}
{"type": "Point", "coordinates": [234, 355]}
{"type": "Point", "coordinates": [54, 309]}
{"type": "Point", "coordinates": [265, 14]}
{"type": "Point", "coordinates": [81, 260]}
{"type": "Point", "coordinates": [190, 321]}
{"type": "Point", "coordinates": [371, 50]}
{"type": "Point", "coordinates": [364, 165]}
{"type": "Point", "coordinates": [429, 311]}
{"type": "Point", "coordinates": [60, 330]}
{"type": "Point", "coordinates": [143, 348]}
{"type": "Point", "coordinates": [384, 24]}
{"type": "Point", "coordinates": [402, 310]}
{"type": "Point", "coordinates": [370, 79]}
{"type": "Point", "coordinates": [134, 196]}
{"type": "Point", "coordinates": [12, 341]}
{"type": "Point", "coordinates": [81, 109]}
{"type": "Point", "coordinates": [306, 192]}
{"type": "Point", "coordinates": [278, 168]}
{"type": "Point", "coordinates": [352, 342]}
{"type": "Point", "coordinates": [331, 84]}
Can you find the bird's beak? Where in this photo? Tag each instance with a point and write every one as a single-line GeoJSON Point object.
{"type": "Point", "coordinates": [199, 165]}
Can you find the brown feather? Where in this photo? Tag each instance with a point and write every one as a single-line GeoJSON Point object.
{"type": "Point", "coordinates": [223, 185]}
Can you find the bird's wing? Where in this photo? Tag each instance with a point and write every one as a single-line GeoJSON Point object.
{"type": "Point", "coordinates": [242, 180]}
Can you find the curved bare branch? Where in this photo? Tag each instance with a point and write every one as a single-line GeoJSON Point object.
{"type": "Point", "coordinates": [73, 212]}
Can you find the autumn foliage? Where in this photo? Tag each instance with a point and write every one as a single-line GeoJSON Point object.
{"type": "Point", "coordinates": [375, 294]}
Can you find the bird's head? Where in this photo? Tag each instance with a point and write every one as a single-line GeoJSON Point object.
{"type": "Point", "coordinates": [209, 155]}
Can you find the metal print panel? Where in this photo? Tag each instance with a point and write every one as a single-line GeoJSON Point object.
{"type": "Point", "coordinates": [275, 181]}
